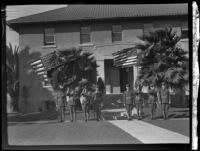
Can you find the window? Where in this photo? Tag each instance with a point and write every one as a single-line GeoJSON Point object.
{"type": "Point", "coordinates": [85, 35]}
{"type": "Point", "coordinates": [148, 28]}
{"type": "Point", "coordinates": [116, 33]}
{"type": "Point", "coordinates": [49, 36]}
{"type": "Point", "coordinates": [184, 30]}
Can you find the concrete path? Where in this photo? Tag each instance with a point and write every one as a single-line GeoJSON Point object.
{"type": "Point", "coordinates": [148, 133]}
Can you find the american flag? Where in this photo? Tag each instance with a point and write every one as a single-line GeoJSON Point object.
{"type": "Point", "coordinates": [45, 63]}
{"type": "Point", "coordinates": [125, 58]}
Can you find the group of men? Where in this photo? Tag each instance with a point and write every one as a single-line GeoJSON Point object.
{"type": "Point", "coordinates": [147, 95]}
{"type": "Point", "coordinates": [87, 98]}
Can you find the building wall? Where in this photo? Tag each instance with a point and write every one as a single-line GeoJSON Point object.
{"type": "Point", "coordinates": [68, 35]}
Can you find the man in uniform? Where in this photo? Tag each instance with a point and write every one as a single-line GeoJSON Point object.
{"type": "Point", "coordinates": [164, 98]}
{"type": "Point", "coordinates": [61, 103]}
{"type": "Point", "coordinates": [138, 103]}
{"type": "Point", "coordinates": [84, 99]}
{"type": "Point", "coordinates": [128, 101]}
{"type": "Point", "coordinates": [145, 93]}
{"type": "Point", "coordinates": [71, 103]}
{"type": "Point", "coordinates": [98, 98]}
{"type": "Point", "coordinates": [152, 101]}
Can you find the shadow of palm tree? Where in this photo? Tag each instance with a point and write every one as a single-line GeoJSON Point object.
{"type": "Point", "coordinates": [49, 115]}
{"type": "Point", "coordinates": [31, 80]}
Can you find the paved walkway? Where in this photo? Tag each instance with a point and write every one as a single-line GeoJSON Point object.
{"type": "Point", "coordinates": [148, 133]}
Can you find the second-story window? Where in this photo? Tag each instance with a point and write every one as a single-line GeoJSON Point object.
{"type": "Point", "coordinates": [116, 33]}
{"type": "Point", "coordinates": [49, 36]}
{"type": "Point", "coordinates": [85, 35]}
{"type": "Point", "coordinates": [148, 28]}
{"type": "Point", "coordinates": [184, 30]}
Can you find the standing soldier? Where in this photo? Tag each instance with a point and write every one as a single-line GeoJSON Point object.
{"type": "Point", "coordinates": [84, 99]}
{"type": "Point", "coordinates": [164, 97]}
{"type": "Point", "coordinates": [152, 101]}
{"type": "Point", "coordinates": [61, 103]}
{"type": "Point", "coordinates": [138, 103]}
{"type": "Point", "coordinates": [98, 98]}
{"type": "Point", "coordinates": [128, 100]}
{"type": "Point", "coordinates": [71, 103]}
{"type": "Point", "coordinates": [145, 93]}
{"type": "Point", "coordinates": [101, 86]}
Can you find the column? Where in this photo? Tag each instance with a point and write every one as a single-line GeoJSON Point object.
{"type": "Point", "coordinates": [100, 69]}
{"type": "Point", "coordinates": [135, 72]}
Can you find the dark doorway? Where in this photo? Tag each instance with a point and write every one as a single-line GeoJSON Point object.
{"type": "Point", "coordinates": [126, 77]}
{"type": "Point", "coordinates": [123, 79]}
{"type": "Point", "coordinates": [112, 81]}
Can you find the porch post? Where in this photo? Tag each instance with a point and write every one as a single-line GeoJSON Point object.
{"type": "Point", "coordinates": [135, 70]}
{"type": "Point", "coordinates": [100, 69]}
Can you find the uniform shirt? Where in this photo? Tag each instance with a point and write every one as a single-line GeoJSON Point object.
{"type": "Point", "coordinates": [71, 100]}
{"type": "Point", "coordinates": [60, 98]}
{"type": "Point", "coordinates": [128, 97]}
{"type": "Point", "coordinates": [84, 97]}
{"type": "Point", "coordinates": [145, 89]}
{"type": "Point", "coordinates": [98, 97]}
{"type": "Point", "coordinates": [138, 98]}
{"type": "Point", "coordinates": [84, 92]}
{"type": "Point", "coordinates": [151, 99]}
{"type": "Point", "coordinates": [164, 95]}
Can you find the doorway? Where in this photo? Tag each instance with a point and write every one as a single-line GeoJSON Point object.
{"type": "Point", "coordinates": [126, 77]}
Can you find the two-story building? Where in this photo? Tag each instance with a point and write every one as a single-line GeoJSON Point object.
{"type": "Point", "coordinates": [100, 29]}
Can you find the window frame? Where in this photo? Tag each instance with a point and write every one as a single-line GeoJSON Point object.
{"type": "Point", "coordinates": [46, 43]}
{"type": "Point", "coordinates": [112, 33]}
{"type": "Point", "coordinates": [88, 34]}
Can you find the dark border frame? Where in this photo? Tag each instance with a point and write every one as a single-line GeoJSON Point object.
{"type": "Point", "coordinates": [5, 144]}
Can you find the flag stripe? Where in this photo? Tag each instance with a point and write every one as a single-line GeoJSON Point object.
{"type": "Point", "coordinates": [36, 62]}
{"type": "Point", "coordinates": [125, 57]}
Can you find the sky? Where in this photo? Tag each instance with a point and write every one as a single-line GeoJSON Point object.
{"type": "Point", "coordinates": [16, 11]}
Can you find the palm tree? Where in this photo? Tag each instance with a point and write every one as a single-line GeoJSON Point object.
{"type": "Point", "coordinates": [161, 59]}
{"type": "Point", "coordinates": [12, 70]}
{"type": "Point", "coordinates": [79, 69]}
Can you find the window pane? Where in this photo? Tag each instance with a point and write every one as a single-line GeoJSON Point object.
{"type": "Point", "coordinates": [117, 37]}
{"type": "Point", "coordinates": [49, 39]}
{"type": "Point", "coordinates": [85, 38]}
{"type": "Point", "coordinates": [49, 36]}
{"type": "Point", "coordinates": [85, 30]}
{"type": "Point", "coordinates": [116, 28]}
